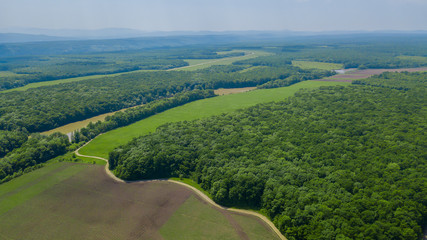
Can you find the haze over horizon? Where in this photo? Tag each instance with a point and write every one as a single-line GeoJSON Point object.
{"type": "Point", "coordinates": [219, 15]}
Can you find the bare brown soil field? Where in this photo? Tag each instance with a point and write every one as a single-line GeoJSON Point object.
{"type": "Point", "coordinates": [366, 73]}
{"type": "Point", "coordinates": [92, 205]}
{"type": "Point", "coordinates": [226, 91]}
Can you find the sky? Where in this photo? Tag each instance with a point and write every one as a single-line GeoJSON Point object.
{"type": "Point", "coordinates": [216, 15]}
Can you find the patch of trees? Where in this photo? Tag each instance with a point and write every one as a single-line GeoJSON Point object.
{"type": "Point", "coordinates": [38, 149]}
{"type": "Point", "coordinates": [10, 140]}
{"type": "Point", "coordinates": [337, 162]}
{"type": "Point", "coordinates": [395, 80]}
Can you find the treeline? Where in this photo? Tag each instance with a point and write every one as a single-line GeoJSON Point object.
{"type": "Point", "coordinates": [38, 149]}
{"type": "Point", "coordinates": [338, 162]}
{"type": "Point", "coordinates": [132, 115]}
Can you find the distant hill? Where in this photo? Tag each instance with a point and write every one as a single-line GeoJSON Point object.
{"type": "Point", "coordinates": [21, 38]}
{"type": "Point", "coordinates": [58, 42]}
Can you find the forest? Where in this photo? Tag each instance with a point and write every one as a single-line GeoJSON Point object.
{"type": "Point", "coordinates": [333, 163]}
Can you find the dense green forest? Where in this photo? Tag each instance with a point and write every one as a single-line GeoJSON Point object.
{"type": "Point", "coordinates": [10, 140]}
{"type": "Point", "coordinates": [334, 163]}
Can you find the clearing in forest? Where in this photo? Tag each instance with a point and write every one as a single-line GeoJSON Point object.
{"type": "Point", "coordinates": [105, 143]}
{"type": "Point", "coordinates": [79, 201]}
{"type": "Point", "coordinates": [317, 65]}
{"type": "Point", "coordinates": [196, 64]}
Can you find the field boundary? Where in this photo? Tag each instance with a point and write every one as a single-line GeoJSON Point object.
{"type": "Point", "coordinates": [195, 190]}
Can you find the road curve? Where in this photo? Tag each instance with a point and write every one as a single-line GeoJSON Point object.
{"type": "Point", "coordinates": [198, 192]}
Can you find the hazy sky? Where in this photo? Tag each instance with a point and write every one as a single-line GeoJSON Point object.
{"type": "Point", "coordinates": [216, 15]}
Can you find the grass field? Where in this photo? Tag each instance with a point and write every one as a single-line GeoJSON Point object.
{"type": "Point", "coordinates": [418, 59]}
{"type": "Point", "coordinates": [10, 74]}
{"type": "Point", "coordinates": [105, 143]}
{"type": "Point", "coordinates": [22, 189]}
{"type": "Point", "coordinates": [254, 228]}
{"type": "Point", "coordinates": [317, 65]}
{"type": "Point", "coordinates": [80, 201]}
{"type": "Point", "coordinates": [188, 221]}
{"type": "Point", "coordinates": [196, 64]}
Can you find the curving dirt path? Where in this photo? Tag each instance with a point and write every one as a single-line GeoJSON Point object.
{"type": "Point", "coordinates": [198, 192]}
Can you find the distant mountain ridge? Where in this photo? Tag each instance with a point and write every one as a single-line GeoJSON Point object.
{"type": "Point", "coordinates": [14, 35]}
{"type": "Point", "coordinates": [113, 40]}
{"type": "Point", "coordinates": [22, 38]}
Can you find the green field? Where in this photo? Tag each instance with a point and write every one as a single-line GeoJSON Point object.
{"type": "Point", "coordinates": [417, 59]}
{"type": "Point", "coordinates": [24, 188]}
{"type": "Point", "coordinates": [188, 221]}
{"type": "Point", "coordinates": [10, 74]}
{"type": "Point", "coordinates": [196, 64]}
{"type": "Point", "coordinates": [254, 228]}
{"type": "Point", "coordinates": [105, 143]}
{"type": "Point", "coordinates": [317, 65]}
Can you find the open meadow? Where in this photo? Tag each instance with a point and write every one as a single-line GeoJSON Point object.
{"type": "Point", "coordinates": [79, 201]}
{"type": "Point", "coordinates": [317, 65]}
{"type": "Point", "coordinates": [196, 64]}
{"type": "Point", "coordinates": [105, 143]}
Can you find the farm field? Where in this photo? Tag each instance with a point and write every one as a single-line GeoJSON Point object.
{"type": "Point", "coordinates": [9, 74]}
{"type": "Point", "coordinates": [105, 143]}
{"type": "Point", "coordinates": [189, 220]}
{"type": "Point", "coordinates": [317, 65]}
{"type": "Point", "coordinates": [196, 64]}
{"type": "Point", "coordinates": [79, 201]}
{"type": "Point", "coordinates": [366, 73]}
{"type": "Point", "coordinates": [226, 91]}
